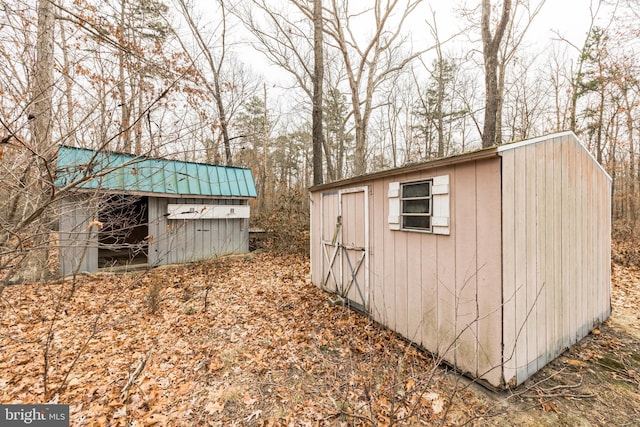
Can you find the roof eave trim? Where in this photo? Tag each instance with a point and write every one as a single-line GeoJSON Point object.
{"type": "Point", "coordinates": [514, 145]}
{"type": "Point", "coordinates": [446, 161]}
{"type": "Point", "coordinates": [158, 195]}
{"type": "Point", "coordinates": [526, 142]}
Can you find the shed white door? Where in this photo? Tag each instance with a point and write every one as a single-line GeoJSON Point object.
{"type": "Point", "coordinates": [345, 242]}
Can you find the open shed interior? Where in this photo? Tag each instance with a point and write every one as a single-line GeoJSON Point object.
{"type": "Point", "coordinates": [122, 239]}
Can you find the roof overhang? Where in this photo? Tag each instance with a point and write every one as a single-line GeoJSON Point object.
{"type": "Point", "coordinates": [485, 153]}
{"type": "Point", "coordinates": [151, 194]}
{"type": "Point", "coordinates": [546, 138]}
{"type": "Point", "coordinates": [79, 169]}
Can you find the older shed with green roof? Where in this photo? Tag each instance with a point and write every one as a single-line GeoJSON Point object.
{"type": "Point", "coordinates": [122, 208]}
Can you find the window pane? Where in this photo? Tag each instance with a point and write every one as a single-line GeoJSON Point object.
{"type": "Point", "coordinates": [415, 206]}
{"type": "Point", "coordinates": [421, 189]}
{"type": "Point", "coordinates": [421, 222]}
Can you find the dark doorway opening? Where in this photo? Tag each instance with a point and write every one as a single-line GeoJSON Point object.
{"type": "Point", "coordinates": [125, 227]}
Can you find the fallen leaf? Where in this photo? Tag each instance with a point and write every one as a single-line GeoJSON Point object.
{"type": "Point", "coordinates": [214, 407]}
{"type": "Point", "coordinates": [154, 419]}
{"type": "Point", "coordinates": [575, 362]}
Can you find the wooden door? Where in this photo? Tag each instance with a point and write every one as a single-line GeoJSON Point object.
{"type": "Point", "coordinates": [345, 243]}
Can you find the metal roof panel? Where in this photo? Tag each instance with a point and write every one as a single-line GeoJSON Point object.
{"type": "Point", "coordinates": [109, 171]}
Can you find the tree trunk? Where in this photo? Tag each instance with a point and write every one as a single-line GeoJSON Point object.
{"type": "Point", "coordinates": [600, 127]}
{"type": "Point", "coordinates": [631, 211]}
{"type": "Point", "coordinates": [223, 121]}
{"type": "Point", "coordinates": [331, 175]}
{"type": "Point", "coordinates": [440, 90]}
{"type": "Point", "coordinates": [359, 161]}
{"type": "Point", "coordinates": [43, 78]}
{"type": "Point", "coordinates": [40, 125]}
{"type": "Point", "coordinates": [68, 86]}
{"type": "Point", "coordinates": [341, 149]}
{"type": "Point", "coordinates": [490, 47]}
{"type": "Point", "coordinates": [265, 132]}
{"type": "Point", "coordinates": [125, 114]}
{"type": "Point", "coordinates": [500, 101]}
{"type": "Point", "coordinates": [318, 77]}
{"type": "Point", "coordinates": [138, 117]}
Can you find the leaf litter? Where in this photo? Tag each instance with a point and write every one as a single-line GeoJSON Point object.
{"type": "Point", "coordinates": [248, 340]}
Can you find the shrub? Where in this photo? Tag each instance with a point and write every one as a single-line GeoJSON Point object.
{"type": "Point", "coordinates": [286, 222]}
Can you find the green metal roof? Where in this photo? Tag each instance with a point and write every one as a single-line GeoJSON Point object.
{"type": "Point", "coordinates": [118, 172]}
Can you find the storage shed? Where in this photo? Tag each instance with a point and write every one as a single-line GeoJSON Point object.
{"type": "Point", "coordinates": [496, 261]}
{"type": "Point", "coordinates": [124, 209]}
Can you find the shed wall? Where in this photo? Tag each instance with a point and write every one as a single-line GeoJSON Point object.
{"type": "Point", "coordinates": [434, 289]}
{"type": "Point", "coordinates": [78, 240]}
{"type": "Point", "coordinates": [179, 240]}
{"type": "Point", "coordinates": [556, 251]}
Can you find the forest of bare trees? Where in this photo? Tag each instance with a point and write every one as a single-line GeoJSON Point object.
{"type": "Point", "coordinates": [234, 82]}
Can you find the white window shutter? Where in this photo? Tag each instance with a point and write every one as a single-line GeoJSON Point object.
{"type": "Point", "coordinates": [394, 205]}
{"type": "Point", "coordinates": [440, 185]}
{"type": "Point", "coordinates": [440, 223]}
{"type": "Point", "coordinates": [394, 189]}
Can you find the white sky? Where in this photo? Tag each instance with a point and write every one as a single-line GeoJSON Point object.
{"type": "Point", "coordinates": [569, 18]}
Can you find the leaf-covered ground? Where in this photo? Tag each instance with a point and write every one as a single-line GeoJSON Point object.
{"type": "Point", "coordinates": [249, 341]}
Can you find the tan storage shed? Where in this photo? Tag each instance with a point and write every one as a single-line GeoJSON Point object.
{"type": "Point", "coordinates": [496, 261]}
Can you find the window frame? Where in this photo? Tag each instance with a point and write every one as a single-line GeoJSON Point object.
{"type": "Point", "coordinates": [429, 198]}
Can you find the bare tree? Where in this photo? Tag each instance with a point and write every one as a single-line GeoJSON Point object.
{"type": "Point", "coordinates": [396, 120]}
{"type": "Point", "coordinates": [513, 38]}
{"type": "Point", "coordinates": [215, 63]}
{"type": "Point", "coordinates": [439, 100]}
{"type": "Point", "coordinates": [40, 149]}
{"type": "Point", "coordinates": [526, 110]}
{"type": "Point", "coordinates": [282, 36]}
{"type": "Point", "coordinates": [369, 63]}
{"type": "Point", "coordinates": [318, 80]}
{"type": "Point", "coordinates": [630, 100]}
{"type": "Point", "coordinates": [439, 78]}
{"type": "Point", "coordinates": [577, 77]}
{"type": "Point", "coordinates": [490, 48]}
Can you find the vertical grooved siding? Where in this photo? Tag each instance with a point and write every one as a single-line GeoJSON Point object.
{"type": "Point", "coordinates": [524, 273]}
{"type": "Point", "coordinates": [466, 268]}
{"type": "Point", "coordinates": [556, 251]}
{"type": "Point", "coordinates": [77, 241]}
{"type": "Point", "coordinates": [353, 218]}
{"type": "Point", "coordinates": [324, 209]}
{"type": "Point", "coordinates": [178, 241]}
{"type": "Point", "coordinates": [489, 253]}
{"type": "Point", "coordinates": [440, 292]}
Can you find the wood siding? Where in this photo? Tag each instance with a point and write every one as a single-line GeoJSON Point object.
{"type": "Point", "coordinates": [324, 216]}
{"type": "Point", "coordinates": [178, 241]}
{"type": "Point", "coordinates": [556, 251]}
{"type": "Point", "coordinates": [524, 274]}
{"type": "Point", "coordinates": [344, 246]}
{"type": "Point", "coordinates": [78, 240]}
{"type": "Point", "coordinates": [171, 241]}
{"type": "Point", "coordinates": [440, 292]}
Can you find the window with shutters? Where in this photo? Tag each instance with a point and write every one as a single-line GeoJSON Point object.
{"type": "Point", "coordinates": [420, 205]}
{"type": "Point", "coordinates": [416, 202]}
